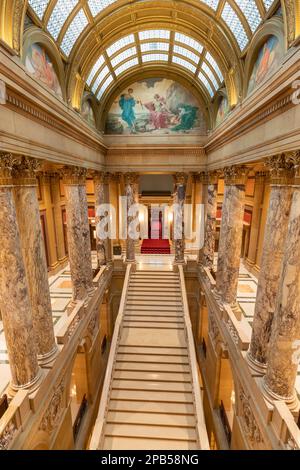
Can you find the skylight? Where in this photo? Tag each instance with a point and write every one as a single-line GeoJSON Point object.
{"type": "Point", "coordinates": [179, 37]}
{"type": "Point", "coordinates": [116, 46]}
{"type": "Point", "coordinates": [100, 78]}
{"type": "Point", "coordinates": [123, 55]}
{"type": "Point", "coordinates": [184, 63]}
{"type": "Point", "coordinates": [127, 65]}
{"type": "Point", "coordinates": [96, 6]}
{"type": "Point", "coordinates": [206, 83]}
{"type": "Point", "coordinates": [155, 46]}
{"type": "Point", "coordinates": [211, 3]}
{"type": "Point", "coordinates": [154, 34]}
{"type": "Point", "coordinates": [186, 53]}
{"type": "Point", "coordinates": [73, 32]}
{"type": "Point", "coordinates": [210, 75]}
{"type": "Point", "coordinates": [95, 69]}
{"type": "Point", "coordinates": [104, 86]}
{"type": "Point", "coordinates": [155, 58]}
{"type": "Point", "coordinates": [214, 65]}
{"type": "Point", "coordinates": [39, 7]}
{"type": "Point", "coordinates": [250, 10]}
{"type": "Point", "coordinates": [234, 23]}
{"type": "Point", "coordinates": [59, 15]}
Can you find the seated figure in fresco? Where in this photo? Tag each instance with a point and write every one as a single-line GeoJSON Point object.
{"type": "Point", "coordinates": [158, 112]}
{"type": "Point", "coordinates": [42, 69]}
{"type": "Point", "coordinates": [187, 116]}
{"type": "Point", "coordinates": [127, 103]}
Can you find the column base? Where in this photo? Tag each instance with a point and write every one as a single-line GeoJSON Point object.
{"type": "Point", "coordinates": [291, 402]}
{"type": "Point", "coordinates": [47, 359]}
{"type": "Point", "coordinates": [30, 386]}
{"type": "Point", "coordinates": [177, 262]}
{"type": "Point", "coordinates": [255, 366]}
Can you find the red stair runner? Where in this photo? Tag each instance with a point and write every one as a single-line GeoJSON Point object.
{"type": "Point", "coordinates": [155, 247]}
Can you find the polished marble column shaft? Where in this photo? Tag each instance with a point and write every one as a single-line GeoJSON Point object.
{"type": "Point", "coordinates": [130, 181]}
{"type": "Point", "coordinates": [207, 258]}
{"type": "Point", "coordinates": [14, 294]}
{"type": "Point", "coordinates": [33, 251]}
{"type": "Point", "coordinates": [80, 266]}
{"type": "Point", "coordinates": [86, 236]}
{"type": "Point", "coordinates": [99, 201]}
{"type": "Point", "coordinates": [231, 234]}
{"type": "Point", "coordinates": [180, 180]}
{"type": "Point", "coordinates": [268, 283]}
{"type": "Point", "coordinates": [260, 182]}
{"type": "Point", "coordinates": [57, 214]}
{"type": "Point", "coordinates": [284, 351]}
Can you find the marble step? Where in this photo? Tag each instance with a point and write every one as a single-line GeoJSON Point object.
{"type": "Point", "coordinates": [158, 319]}
{"type": "Point", "coordinates": [154, 419]}
{"type": "Point", "coordinates": [152, 407]}
{"type": "Point", "coordinates": [149, 350]}
{"type": "Point", "coordinates": [156, 395]}
{"type": "Point", "coordinates": [123, 384]}
{"type": "Point", "coordinates": [137, 443]}
{"type": "Point", "coordinates": [148, 376]}
{"type": "Point", "coordinates": [147, 308]}
{"type": "Point", "coordinates": [153, 367]}
{"type": "Point", "coordinates": [151, 432]}
{"type": "Point", "coordinates": [164, 359]}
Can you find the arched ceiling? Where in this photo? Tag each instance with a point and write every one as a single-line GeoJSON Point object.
{"type": "Point", "coordinates": [105, 41]}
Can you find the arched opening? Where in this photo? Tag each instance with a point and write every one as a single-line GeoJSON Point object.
{"type": "Point", "coordinates": [226, 396]}
{"type": "Point", "coordinates": [79, 391]}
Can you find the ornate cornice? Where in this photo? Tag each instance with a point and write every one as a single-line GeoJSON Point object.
{"type": "Point", "coordinates": [281, 169]}
{"type": "Point", "coordinates": [73, 175]}
{"type": "Point", "coordinates": [180, 178]}
{"type": "Point", "coordinates": [236, 175]}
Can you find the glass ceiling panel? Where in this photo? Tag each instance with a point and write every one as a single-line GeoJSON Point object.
{"type": "Point", "coordinates": [105, 86]}
{"type": "Point", "coordinates": [59, 15]}
{"type": "Point", "coordinates": [184, 63]}
{"type": "Point", "coordinates": [210, 75]}
{"type": "Point", "coordinates": [100, 78]}
{"type": "Point", "coordinates": [95, 69]}
{"type": "Point", "coordinates": [268, 3]}
{"type": "Point", "coordinates": [211, 3]}
{"type": "Point", "coordinates": [123, 55]}
{"type": "Point", "coordinates": [155, 46]}
{"type": "Point", "coordinates": [96, 6]}
{"type": "Point", "coordinates": [39, 7]}
{"type": "Point", "coordinates": [214, 65]}
{"type": "Point", "coordinates": [154, 34]}
{"type": "Point", "coordinates": [250, 10]}
{"type": "Point", "coordinates": [186, 53]}
{"type": "Point", "coordinates": [179, 37]}
{"type": "Point", "coordinates": [155, 58]}
{"type": "Point", "coordinates": [206, 83]}
{"type": "Point", "coordinates": [234, 23]}
{"type": "Point", "coordinates": [120, 44]}
{"type": "Point", "coordinates": [73, 32]}
{"type": "Point", "coordinates": [127, 65]}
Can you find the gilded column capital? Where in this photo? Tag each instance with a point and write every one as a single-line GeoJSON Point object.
{"type": "Point", "coordinates": [7, 161]}
{"type": "Point", "coordinates": [131, 178]}
{"type": "Point", "coordinates": [180, 178]}
{"type": "Point", "coordinates": [204, 177]}
{"type": "Point", "coordinates": [108, 177]}
{"type": "Point", "coordinates": [236, 175]}
{"type": "Point", "coordinates": [25, 171]}
{"type": "Point", "coordinates": [98, 176]}
{"type": "Point", "coordinates": [73, 175]}
{"type": "Point", "coordinates": [294, 158]}
{"type": "Point", "coordinates": [281, 169]}
{"type": "Point", "coordinates": [45, 177]}
{"type": "Point", "coordinates": [213, 176]}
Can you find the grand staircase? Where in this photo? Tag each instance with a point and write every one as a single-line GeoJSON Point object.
{"type": "Point", "coordinates": [151, 396]}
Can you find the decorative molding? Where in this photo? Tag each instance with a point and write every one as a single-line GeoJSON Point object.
{"type": "Point", "coordinates": [180, 178]}
{"type": "Point", "coordinates": [281, 169]}
{"type": "Point", "coordinates": [248, 421]}
{"type": "Point", "coordinates": [52, 416]}
{"type": "Point", "coordinates": [73, 175]}
{"type": "Point", "coordinates": [131, 178]}
{"type": "Point", "coordinates": [236, 175]}
{"type": "Point", "coordinates": [25, 171]}
{"type": "Point", "coordinates": [7, 435]}
{"type": "Point", "coordinates": [7, 161]}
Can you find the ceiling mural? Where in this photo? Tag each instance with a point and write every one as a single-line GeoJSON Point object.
{"type": "Point", "coordinates": [40, 66]}
{"type": "Point", "coordinates": [267, 60]}
{"type": "Point", "coordinates": [223, 110]}
{"type": "Point", "coordinates": [87, 112]}
{"type": "Point", "coordinates": [155, 106]}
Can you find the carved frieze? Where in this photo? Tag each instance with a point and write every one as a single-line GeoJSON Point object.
{"type": "Point", "coordinates": [248, 421]}
{"type": "Point", "coordinates": [8, 435]}
{"type": "Point", "coordinates": [52, 415]}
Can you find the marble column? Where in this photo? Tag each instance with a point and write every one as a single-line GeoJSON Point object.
{"type": "Point", "coordinates": [33, 251]}
{"type": "Point", "coordinates": [180, 180]}
{"type": "Point", "coordinates": [99, 200]}
{"type": "Point", "coordinates": [130, 181]}
{"type": "Point", "coordinates": [108, 242]}
{"type": "Point", "coordinates": [281, 175]}
{"type": "Point", "coordinates": [44, 179]}
{"type": "Point", "coordinates": [208, 250]}
{"type": "Point", "coordinates": [57, 214]}
{"type": "Point", "coordinates": [284, 350]}
{"type": "Point", "coordinates": [231, 235]}
{"type": "Point", "coordinates": [14, 293]}
{"type": "Point", "coordinates": [80, 262]}
{"type": "Point", "coordinates": [86, 234]}
{"type": "Point", "coordinates": [260, 181]}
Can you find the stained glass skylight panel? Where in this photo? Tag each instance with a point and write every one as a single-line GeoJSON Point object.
{"type": "Point", "coordinates": [96, 6]}
{"type": "Point", "coordinates": [184, 63]}
{"type": "Point", "coordinates": [214, 65]}
{"type": "Point", "coordinates": [123, 55]}
{"type": "Point", "coordinates": [234, 23]}
{"type": "Point", "coordinates": [39, 7]}
{"type": "Point", "coordinates": [116, 46]}
{"type": "Point", "coordinates": [211, 3]}
{"type": "Point", "coordinates": [268, 3]}
{"type": "Point", "coordinates": [127, 65]}
{"type": "Point", "coordinates": [155, 46]}
{"type": "Point", "coordinates": [105, 86]}
{"type": "Point", "coordinates": [73, 32]}
{"type": "Point", "coordinates": [210, 75]}
{"type": "Point", "coordinates": [100, 78]}
{"type": "Point", "coordinates": [206, 84]}
{"type": "Point", "coordinates": [59, 15]}
{"type": "Point", "coordinates": [250, 10]}
{"type": "Point", "coordinates": [95, 69]}
{"type": "Point", "coordinates": [179, 37]}
{"type": "Point", "coordinates": [155, 58]}
{"type": "Point", "coordinates": [186, 53]}
{"type": "Point", "coordinates": [154, 34]}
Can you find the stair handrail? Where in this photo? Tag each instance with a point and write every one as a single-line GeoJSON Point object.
{"type": "Point", "coordinates": [200, 420]}
{"type": "Point", "coordinates": [97, 434]}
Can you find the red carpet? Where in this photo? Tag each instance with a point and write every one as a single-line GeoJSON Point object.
{"type": "Point", "coordinates": [156, 247]}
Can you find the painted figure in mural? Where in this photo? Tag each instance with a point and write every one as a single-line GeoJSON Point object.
{"type": "Point", "coordinates": [127, 103]}
{"type": "Point", "coordinates": [267, 60]}
{"type": "Point", "coordinates": [158, 112]}
{"type": "Point", "coordinates": [187, 116]}
{"type": "Point", "coordinates": [40, 66]}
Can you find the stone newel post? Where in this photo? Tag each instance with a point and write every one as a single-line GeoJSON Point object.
{"type": "Point", "coordinates": [281, 175]}
{"type": "Point", "coordinates": [284, 350]}
{"type": "Point", "coordinates": [231, 235]}
{"type": "Point", "coordinates": [33, 251]}
{"type": "Point", "coordinates": [14, 294]}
